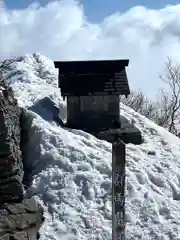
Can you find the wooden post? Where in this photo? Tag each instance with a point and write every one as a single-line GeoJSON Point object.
{"type": "Point", "coordinates": [118, 190]}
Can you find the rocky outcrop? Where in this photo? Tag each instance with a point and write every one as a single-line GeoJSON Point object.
{"type": "Point", "coordinates": [48, 110]}
{"type": "Point", "coordinates": [11, 167]}
{"type": "Point", "coordinates": [19, 218]}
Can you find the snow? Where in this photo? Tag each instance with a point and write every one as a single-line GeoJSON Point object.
{"type": "Point", "coordinates": [73, 169]}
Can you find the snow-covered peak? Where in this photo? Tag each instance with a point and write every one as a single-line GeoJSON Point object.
{"type": "Point", "coordinates": [73, 170]}
{"type": "Point", "coordinates": [33, 76]}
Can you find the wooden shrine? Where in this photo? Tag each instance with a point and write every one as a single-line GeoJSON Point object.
{"type": "Point", "coordinates": [92, 89]}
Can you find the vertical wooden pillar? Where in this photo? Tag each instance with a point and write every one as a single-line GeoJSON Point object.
{"type": "Point", "coordinates": [118, 190]}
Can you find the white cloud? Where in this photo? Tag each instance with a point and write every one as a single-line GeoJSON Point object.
{"type": "Point", "coordinates": [61, 31]}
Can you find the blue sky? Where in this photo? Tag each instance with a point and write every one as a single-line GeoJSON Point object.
{"type": "Point", "coordinates": [96, 10]}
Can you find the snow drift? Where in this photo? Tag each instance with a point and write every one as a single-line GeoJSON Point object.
{"type": "Point", "coordinates": [72, 169]}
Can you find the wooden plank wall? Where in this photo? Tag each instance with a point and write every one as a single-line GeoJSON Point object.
{"type": "Point", "coordinates": [90, 110]}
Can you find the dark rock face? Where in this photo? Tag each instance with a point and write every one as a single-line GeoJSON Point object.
{"type": "Point", "coordinates": [25, 121]}
{"type": "Point", "coordinates": [19, 218]}
{"type": "Point", "coordinates": [11, 167]}
{"type": "Point", "coordinates": [47, 109]}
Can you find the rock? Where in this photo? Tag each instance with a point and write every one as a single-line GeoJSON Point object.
{"type": "Point", "coordinates": [47, 109]}
{"type": "Point", "coordinates": [20, 218]}
{"type": "Point", "coordinates": [11, 167]}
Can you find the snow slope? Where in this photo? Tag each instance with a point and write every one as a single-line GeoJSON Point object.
{"type": "Point", "coordinates": [73, 169]}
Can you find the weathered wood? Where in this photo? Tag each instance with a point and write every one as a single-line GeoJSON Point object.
{"type": "Point", "coordinates": [118, 190]}
{"type": "Point", "coordinates": [94, 66]}
{"type": "Point", "coordinates": [114, 83]}
{"type": "Point", "coordinates": [93, 112]}
{"type": "Point", "coordinates": [130, 135]}
{"type": "Point", "coordinates": [92, 89]}
{"type": "Point", "coordinates": [98, 78]}
{"type": "Point", "coordinates": [94, 103]}
{"type": "Point", "coordinates": [73, 110]}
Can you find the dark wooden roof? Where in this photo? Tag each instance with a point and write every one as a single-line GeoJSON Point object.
{"type": "Point", "coordinates": [98, 78]}
{"type": "Point", "coordinates": [98, 66]}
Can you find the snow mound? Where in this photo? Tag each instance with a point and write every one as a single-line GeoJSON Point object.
{"type": "Point", "coordinates": [73, 169]}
